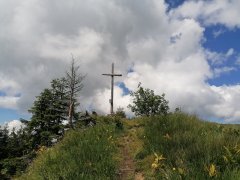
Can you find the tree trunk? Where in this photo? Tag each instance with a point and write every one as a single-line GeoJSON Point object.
{"type": "Point", "coordinates": [70, 114]}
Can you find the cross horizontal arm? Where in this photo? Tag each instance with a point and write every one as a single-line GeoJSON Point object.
{"type": "Point", "coordinates": [112, 74]}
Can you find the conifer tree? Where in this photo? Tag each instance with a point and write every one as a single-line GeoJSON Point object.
{"type": "Point", "coordinates": [3, 142]}
{"type": "Point", "coordinates": [41, 122]}
{"type": "Point", "coordinates": [48, 113]}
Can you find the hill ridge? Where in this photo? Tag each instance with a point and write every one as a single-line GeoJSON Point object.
{"type": "Point", "coordinates": [176, 146]}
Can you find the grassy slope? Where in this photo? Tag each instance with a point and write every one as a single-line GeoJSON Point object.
{"type": "Point", "coordinates": [82, 154]}
{"type": "Point", "coordinates": [178, 146]}
{"type": "Point", "coordinates": [181, 146]}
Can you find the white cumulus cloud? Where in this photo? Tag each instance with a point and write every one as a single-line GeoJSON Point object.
{"type": "Point", "coordinates": [212, 12]}
{"type": "Point", "coordinates": [164, 50]}
{"type": "Point", "coordinates": [14, 125]}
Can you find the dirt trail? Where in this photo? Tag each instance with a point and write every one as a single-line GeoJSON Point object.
{"type": "Point", "coordinates": [127, 169]}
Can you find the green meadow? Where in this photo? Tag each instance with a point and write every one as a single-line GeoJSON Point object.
{"type": "Point", "coordinates": [82, 154]}
{"type": "Point", "coordinates": [175, 146]}
{"type": "Point", "coordinates": [180, 146]}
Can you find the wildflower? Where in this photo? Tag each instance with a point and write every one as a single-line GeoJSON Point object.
{"type": "Point", "coordinates": [212, 170]}
{"type": "Point", "coordinates": [174, 169]}
{"type": "Point", "coordinates": [155, 165]}
{"type": "Point", "coordinates": [157, 161]}
{"type": "Point", "coordinates": [159, 158]}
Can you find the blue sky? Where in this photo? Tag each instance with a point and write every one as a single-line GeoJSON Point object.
{"type": "Point", "coordinates": [222, 43]}
{"type": "Point", "coordinates": [198, 71]}
{"type": "Point", "coordinates": [174, 3]}
{"type": "Point", "coordinates": [9, 114]}
{"type": "Point", "coordinates": [228, 38]}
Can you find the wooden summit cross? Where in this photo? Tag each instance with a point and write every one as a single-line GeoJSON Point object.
{"type": "Point", "coordinates": [112, 86]}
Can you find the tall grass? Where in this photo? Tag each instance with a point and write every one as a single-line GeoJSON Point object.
{"type": "Point", "coordinates": [176, 146]}
{"type": "Point", "coordinates": [182, 146]}
{"type": "Point", "coordinates": [82, 154]}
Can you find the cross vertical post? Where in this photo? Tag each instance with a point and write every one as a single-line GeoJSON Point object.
{"type": "Point", "coordinates": [112, 87]}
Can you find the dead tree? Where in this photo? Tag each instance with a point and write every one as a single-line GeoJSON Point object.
{"type": "Point", "coordinates": [74, 85]}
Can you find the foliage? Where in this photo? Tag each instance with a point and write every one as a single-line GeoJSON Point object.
{"type": "Point", "coordinates": [3, 149]}
{"type": "Point", "coordinates": [119, 123]}
{"type": "Point", "coordinates": [82, 154]}
{"type": "Point", "coordinates": [120, 112]}
{"type": "Point", "coordinates": [173, 146]}
{"type": "Point", "coordinates": [146, 103]}
{"type": "Point", "coordinates": [3, 142]}
{"type": "Point", "coordinates": [191, 148]}
{"type": "Point", "coordinates": [48, 113]}
{"type": "Point", "coordinates": [15, 153]}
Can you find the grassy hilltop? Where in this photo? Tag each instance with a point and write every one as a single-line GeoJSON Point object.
{"type": "Point", "coordinates": [176, 146]}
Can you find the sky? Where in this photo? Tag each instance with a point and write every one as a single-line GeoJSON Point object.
{"type": "Point", "coordinates": [188, 50]}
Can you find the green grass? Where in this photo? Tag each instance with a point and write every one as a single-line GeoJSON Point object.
{"type": "Point", "coordinates": [176, 146]}
{"type": "Point", "coordinates": [192, 149]}
{"type": "Point", "coordinates": [82, 154]}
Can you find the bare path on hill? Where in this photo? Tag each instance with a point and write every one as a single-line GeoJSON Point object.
{"type": "Point", "coordinates": [127, 170]}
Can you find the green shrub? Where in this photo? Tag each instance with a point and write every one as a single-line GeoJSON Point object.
{"type": "Point", "coordinates": [146, 103]}
{"type": "Point", "coordinates": [120, 112]}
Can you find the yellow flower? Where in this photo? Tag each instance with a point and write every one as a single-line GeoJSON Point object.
{"type": "Point", "coordinates": [157, 161]}
{"type": "Point", "coordinates": [174, 169]}
{"type": "Point", "coordinates": [159, 158]}
{"type": "Point", "coordinates": [212, 170]}
{"type": "Point", "coordinates": [154, 165]}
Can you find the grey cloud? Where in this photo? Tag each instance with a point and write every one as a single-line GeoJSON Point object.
{"type": "Point", "coordinates": [37, 38]}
